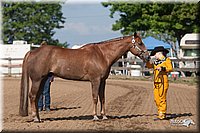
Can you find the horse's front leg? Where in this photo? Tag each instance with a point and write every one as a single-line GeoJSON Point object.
{"type": "Point", "coordinates": [95, 91]}
{"type": "Point", "coordinates": [33, 101]}
{"type": "Point", "coordinates": [102, 99]}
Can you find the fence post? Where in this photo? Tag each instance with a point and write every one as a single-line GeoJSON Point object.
{"type": "Point", "coordinates": [9, 67]}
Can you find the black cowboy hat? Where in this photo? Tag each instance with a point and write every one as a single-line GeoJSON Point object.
{"type": "Point", "coordinates": [159, 49]}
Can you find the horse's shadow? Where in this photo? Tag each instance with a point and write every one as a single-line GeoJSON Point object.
{"type": "Point", "coordinates": [110, 117]}
{"type": "Point", "coordinates": [64, 108]}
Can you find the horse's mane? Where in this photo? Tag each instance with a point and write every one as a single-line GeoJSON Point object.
{"type": "Point", "coordinates": [112, 40]}
{"type": "Point", "coordinates": [106, 41]}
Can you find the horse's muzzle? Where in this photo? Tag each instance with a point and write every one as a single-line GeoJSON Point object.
{"type": "Point", "coordinates": [146, 57]}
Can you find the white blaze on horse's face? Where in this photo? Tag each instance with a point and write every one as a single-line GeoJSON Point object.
{"type": "Point", "coordinates": [133, 40]}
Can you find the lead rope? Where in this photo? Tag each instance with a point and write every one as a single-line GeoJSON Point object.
{"type": "Point", "coordinates": [153, 78]}
{"type": "Point", "coordinates": [143, 74]}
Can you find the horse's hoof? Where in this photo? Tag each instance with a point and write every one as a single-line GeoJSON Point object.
{"type": "Point", "coordinates": [36, 120]}
{"type": "Point", "coordinates": [95, 118]}
{"type": "Point", "coordinates": [105, 118]}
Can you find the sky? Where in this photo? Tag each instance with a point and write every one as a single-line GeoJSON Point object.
{"type": "Point", "coordinates": [86, 22]}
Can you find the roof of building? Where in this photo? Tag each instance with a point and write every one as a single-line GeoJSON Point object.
{"type": "Point", "coordinates": [190, 39]}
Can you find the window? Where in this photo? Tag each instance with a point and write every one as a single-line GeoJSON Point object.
{"type": "Point", "coordinates": [192, 52]}
{"type": "Point", "coordinates": [192, 41]}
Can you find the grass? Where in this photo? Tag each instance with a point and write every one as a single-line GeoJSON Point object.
{"type": "Point", "coordinates": [185, 80]}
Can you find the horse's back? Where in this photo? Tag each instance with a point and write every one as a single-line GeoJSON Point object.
{"type": "Point", "coordinates": [66, 63]}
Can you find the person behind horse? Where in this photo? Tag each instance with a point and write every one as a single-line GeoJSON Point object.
{"type": "Point", "coordinates": [45, 99]}
{"type": "Point", "coordinates": [162, 66]}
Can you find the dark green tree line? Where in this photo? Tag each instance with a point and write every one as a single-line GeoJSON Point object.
{"type": "Point", "coordinates": [31, 21]}
{"type": "Point", "coordinates": [165, 21]}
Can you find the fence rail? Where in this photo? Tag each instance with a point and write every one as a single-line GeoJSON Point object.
{"type": "Point", "coordinates": [172, 59]}
{"type": "Point", "coordinates": [195, 60]}
{"type": "Point", "coordinates": [145, 69]}
{"type": "Point", "coordinates": [10, 65]}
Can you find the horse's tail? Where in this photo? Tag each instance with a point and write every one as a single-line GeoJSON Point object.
{"type": "Point", "coordinates": [23, 108]}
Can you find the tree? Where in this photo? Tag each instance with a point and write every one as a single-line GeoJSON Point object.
{"type": "Point", "coordinates": [165, 21]}
{"type": "Point", "coordinates": [32, 22]}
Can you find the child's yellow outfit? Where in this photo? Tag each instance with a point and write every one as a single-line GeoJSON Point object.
{"type": "Point", "coordinates": [161, 83]}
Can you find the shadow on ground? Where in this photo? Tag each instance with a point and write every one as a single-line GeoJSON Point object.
{"type": "Point", "coordinates": [90, 117]}
{"type": "Point", "coordinates": [64, 108]}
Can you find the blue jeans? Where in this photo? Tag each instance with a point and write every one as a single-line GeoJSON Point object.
{"type": "Point", "coordinates": [45, 98]}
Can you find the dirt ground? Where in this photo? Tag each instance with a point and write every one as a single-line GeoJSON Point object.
{"type": "Point", "coordinates": [129, 106]}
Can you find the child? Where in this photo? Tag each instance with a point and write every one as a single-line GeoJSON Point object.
{"type": "Point", "coordinates": [162, 66]}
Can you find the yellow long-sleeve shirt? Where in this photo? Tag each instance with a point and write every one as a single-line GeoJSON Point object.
{"type": "Point", "coordinates": [166, 65]}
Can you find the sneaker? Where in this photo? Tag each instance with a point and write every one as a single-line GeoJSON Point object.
{"type": "Point", "coordinates": [40, 109]}
{"type": "Point", "coordinates": [161, 116]}
{"type": "Point", "coordinates": [47, 109]}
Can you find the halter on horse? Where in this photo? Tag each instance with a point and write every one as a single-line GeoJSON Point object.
{"type": "Point", "coordinates": [91, 62]}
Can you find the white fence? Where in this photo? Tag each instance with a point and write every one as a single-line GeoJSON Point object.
{"type": "Point", "coordinates": [13, 66]}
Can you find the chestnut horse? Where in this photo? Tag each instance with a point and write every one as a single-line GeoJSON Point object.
{"type": "Point", "coordinates": [92, 62]}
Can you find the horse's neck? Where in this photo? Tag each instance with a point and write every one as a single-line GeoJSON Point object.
{"type": "Point", "coordinates": [114, 50]}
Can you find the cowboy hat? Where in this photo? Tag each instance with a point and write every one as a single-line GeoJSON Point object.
{"type": "Point", "coordinates": [159, 49]}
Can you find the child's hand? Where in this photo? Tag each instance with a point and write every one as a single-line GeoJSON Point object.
{"type": "Point", "coordinates": [161, 68]}
{"type": "Point", "coordinates": [158, 68]}
{"type": "Point", "coordinates": [52, 79]}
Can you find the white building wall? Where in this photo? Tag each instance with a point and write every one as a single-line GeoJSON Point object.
{"type": "Point", "coordinates": [16, 50]}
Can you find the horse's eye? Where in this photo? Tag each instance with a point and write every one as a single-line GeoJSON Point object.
{"type": "Point", "coordinates": [140, 43]}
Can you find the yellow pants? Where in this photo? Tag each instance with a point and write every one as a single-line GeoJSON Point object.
{"type": "Point", "coordinates": [160, 94]}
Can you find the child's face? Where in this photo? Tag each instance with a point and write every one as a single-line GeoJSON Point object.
{"type": "Point", "coordinates": [158, 55]}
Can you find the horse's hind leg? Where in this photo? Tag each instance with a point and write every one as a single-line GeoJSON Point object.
{"type": "Point", "coordinates": [102, 99]}
{"type": "Point", "coordinates": [33, 100]}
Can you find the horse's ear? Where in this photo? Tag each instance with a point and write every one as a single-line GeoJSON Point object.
{"type": "Point", "coordinates": [135, 34]}
{"type": "Point", "coordinates": [43, 43]}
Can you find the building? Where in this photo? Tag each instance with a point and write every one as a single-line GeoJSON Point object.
{"type": "Point", "coordinates": [189, 46]}
{"type": "Point", "coordinates": [189, 49]}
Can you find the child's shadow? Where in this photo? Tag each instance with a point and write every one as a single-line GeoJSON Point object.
{"type": "Point", "coordinates": [172, 116]}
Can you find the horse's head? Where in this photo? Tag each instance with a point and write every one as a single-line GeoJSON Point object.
{"type": "Point", "coordinates": [138, 48]}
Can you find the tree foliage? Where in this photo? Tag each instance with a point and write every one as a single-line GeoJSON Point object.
{"type": "Point", "coordinates": [32, 22]}
{"type": "Point", "coordinates": [164, 21]}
